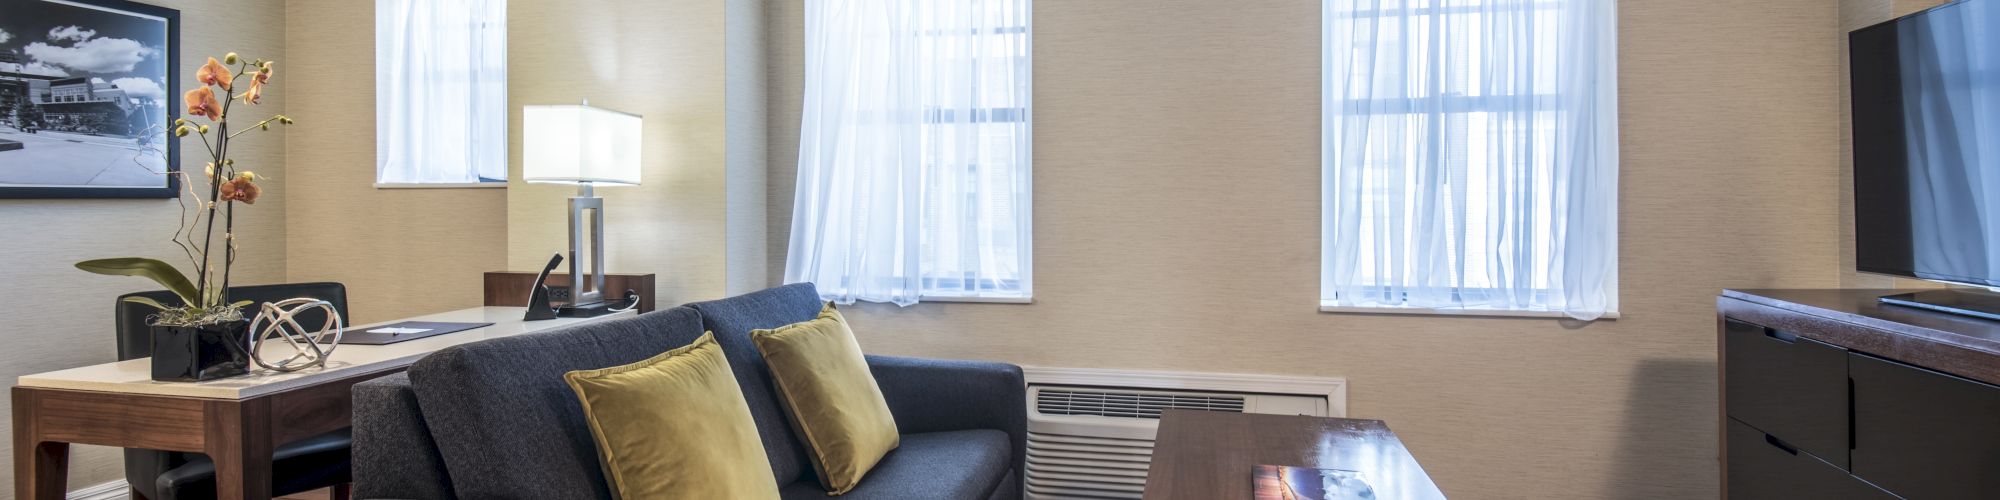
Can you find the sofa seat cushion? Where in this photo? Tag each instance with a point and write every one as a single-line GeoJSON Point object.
{"type": "Point", "coordinates": [940, 465]}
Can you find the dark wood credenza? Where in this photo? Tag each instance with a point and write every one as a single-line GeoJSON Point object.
{"type": "Point", "coordinates": [512, 288]}
{"type": "Point", "coordinates": [1830, 394]}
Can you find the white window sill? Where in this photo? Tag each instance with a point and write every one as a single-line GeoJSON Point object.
{"type": "Point", "coordinates": [441, 185]}
{"type": "Point", "coordinates": [977, 300]}
{"type": "Point", "coordinates": [1453, 311]}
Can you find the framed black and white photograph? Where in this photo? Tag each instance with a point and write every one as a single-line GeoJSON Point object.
{"type": "Point", "coordinates": [86, 99]}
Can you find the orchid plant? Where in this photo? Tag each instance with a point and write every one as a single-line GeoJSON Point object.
{"type": "Point", "coordinates": [205, 299]}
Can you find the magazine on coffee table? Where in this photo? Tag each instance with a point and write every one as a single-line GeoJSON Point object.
{"type": "Point", "coordinates": [1279, 482]}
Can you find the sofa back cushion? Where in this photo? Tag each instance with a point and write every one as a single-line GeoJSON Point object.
{"type": "Point", "coordinates": [506, 423]}
{"type": "Point", "coordinates": [731, 320]}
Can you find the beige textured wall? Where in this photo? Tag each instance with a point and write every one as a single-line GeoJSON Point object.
{"type": "Point", "coordinates": [53, 316]}
{"type": "Point", "coordinates": [401, 252]}
{"type": "Point", "coordinates": [1177, 209]}
{"type": "Point", "coordinates": [665, 60]}
{"type": "Point", "coordinates": [400, 257]}
{"type": "Point", "coordinates": [746, 76]}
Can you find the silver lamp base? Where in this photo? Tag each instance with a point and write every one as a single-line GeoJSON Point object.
{"type": "Point", "coordinates": [586, 294]}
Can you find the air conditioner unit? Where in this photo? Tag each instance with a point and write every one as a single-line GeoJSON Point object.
{"type": "Point", "coordinates": [1090, 431]}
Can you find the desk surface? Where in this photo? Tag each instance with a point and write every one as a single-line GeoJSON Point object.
{"type": "Point", "coordinates": [136, 377]}
{"type": "Point", "coordinates": [1210, 455]}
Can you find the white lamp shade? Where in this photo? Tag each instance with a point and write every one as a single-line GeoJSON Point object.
{"type": "Point", "coordinates": [576, 144]}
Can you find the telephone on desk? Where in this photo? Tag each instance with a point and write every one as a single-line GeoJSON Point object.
{"type": "Point", "coordinates": [542, 303]}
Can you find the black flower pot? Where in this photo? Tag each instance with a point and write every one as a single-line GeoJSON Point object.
{"type": "Point", "coordinates": [198, 353]}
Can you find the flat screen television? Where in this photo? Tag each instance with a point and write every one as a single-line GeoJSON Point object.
{"type": "Point", "coordinates": [1926, 97]}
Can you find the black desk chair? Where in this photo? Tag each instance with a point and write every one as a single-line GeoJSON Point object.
{"type": "Point", "coordinates": [316, 462]}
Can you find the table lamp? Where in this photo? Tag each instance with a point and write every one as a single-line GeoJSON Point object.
{"type": "Point", "coordinates": [588, 147]}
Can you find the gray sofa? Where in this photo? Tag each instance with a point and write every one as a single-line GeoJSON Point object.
{"type": "Point", "coordinates": [494, 419]}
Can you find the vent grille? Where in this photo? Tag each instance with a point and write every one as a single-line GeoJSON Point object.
{"type": "Point", "coordinates": [1090, 431]}
{"type": "Point", "coordinates": [1083, 467]}
{"type": "Point", "coordinates": [1129, 404]}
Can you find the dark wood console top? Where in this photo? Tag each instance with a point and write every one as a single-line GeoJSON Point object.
{"type": "Point", "coordinates": [1961, 345]}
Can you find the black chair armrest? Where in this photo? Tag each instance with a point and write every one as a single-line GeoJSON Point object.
{"type": "Point", "coordinates": [308, 464]}
{"type": "Point", "coordinates": [932, 395]}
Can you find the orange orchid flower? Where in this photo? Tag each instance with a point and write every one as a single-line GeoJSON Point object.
{"type": "Point", "coordinates": [241, 189]}
{"type": "Point", "coordinates": [214, 73]}
{"type": "Point", "coordinates": [201, 102]}
{"type": "Point", "coordinates": [257, 82]}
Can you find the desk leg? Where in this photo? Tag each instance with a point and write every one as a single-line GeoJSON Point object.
{"type": "Point", "coordinates": [238, 437]}
{"type": "Point", "coordinates": [41, 469]}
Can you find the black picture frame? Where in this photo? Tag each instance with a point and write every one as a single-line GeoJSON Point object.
{"type": "Point", "coordinates": [26, 13]}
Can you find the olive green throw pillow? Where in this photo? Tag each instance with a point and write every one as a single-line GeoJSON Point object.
{"type": "Point", "coordinates": [834, 403]}
{"type": "Point", "coordinates": [675, 426]}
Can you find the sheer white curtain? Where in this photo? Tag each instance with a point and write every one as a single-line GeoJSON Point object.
{"type": "Point", "coordinates": [914, 151]}
{"type": "Point", "coordinates": [440, 91]}
{"type": "Point", "coordinates": [1470, 156]}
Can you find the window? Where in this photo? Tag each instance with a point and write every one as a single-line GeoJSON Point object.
{"type": "Point", "coordinates": [1469, 157]}
{"type": "Point", "coordinates": [914, 152]}
{"type": "Point", "coordinates": [440, 93]}
{"type": "Point", "coordinates": [975, 142]}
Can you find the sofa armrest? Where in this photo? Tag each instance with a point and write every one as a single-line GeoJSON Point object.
{"type": "Point", "coordinates": [393, 454]}
{"type": "Point", "coordinates": [932, 395]}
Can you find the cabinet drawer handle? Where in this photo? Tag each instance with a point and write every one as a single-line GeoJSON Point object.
{"type": "Point", "coordinates": [1781, 336]}
{"type": "Point", "coordinates": [1774, 441]}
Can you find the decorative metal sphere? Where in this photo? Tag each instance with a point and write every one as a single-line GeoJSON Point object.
{"type": "Point", "coordinates": [279, 320]}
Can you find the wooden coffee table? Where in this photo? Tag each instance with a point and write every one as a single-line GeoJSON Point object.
{"type": "Point", "coordinates": [1210, 455]}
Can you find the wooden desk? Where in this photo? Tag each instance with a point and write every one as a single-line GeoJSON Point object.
{"type": "Point", "coordinates": [237, 421]}
{"type": "Point", "coordinates": [1210, 455]}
